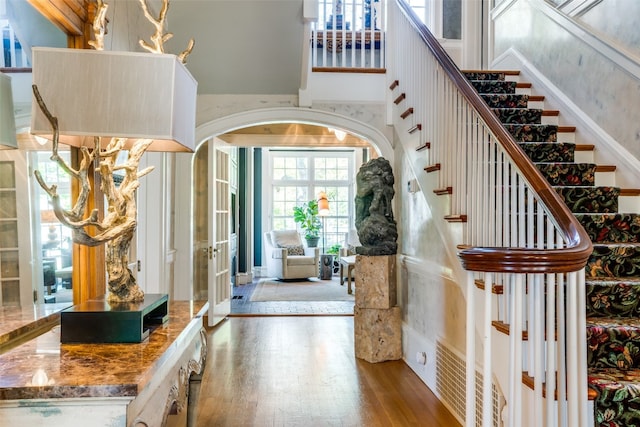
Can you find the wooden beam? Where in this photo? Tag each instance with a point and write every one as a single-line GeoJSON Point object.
{"type": "Point", "coordinates": [68, 15]}
{"type": "Point", "coordinates": [89, 272]}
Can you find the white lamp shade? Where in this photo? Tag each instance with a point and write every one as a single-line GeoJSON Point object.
{"type": "Point", "coordinates": [7, 115]}
{"type": "Point", "coordinates": [115, 94]}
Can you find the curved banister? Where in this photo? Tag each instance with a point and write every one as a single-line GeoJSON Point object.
{"type": "Point", "coordinates": [512, 259]}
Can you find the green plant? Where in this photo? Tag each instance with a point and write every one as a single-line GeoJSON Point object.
{"type": "Point", "coordinates": [307, 216]}
{"type": "Point", "coordinates": [334, 250]}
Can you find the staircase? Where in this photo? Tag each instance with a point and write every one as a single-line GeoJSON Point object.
{"type": "Point", "coordinates": [613, 270]}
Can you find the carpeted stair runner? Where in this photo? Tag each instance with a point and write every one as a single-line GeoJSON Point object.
{"type": "Point", "coordinates": [613, 269]}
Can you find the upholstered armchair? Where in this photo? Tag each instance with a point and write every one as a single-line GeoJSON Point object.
{"type": "Point", "coordinates": [287, 258]}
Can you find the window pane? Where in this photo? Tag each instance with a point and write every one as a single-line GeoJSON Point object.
{"type": "Point", "coordinates": [314, 170]}
{"type": "Point", "coordinates": [7, 175]}
{"type": "Point", "coordinates": [9, 264]}
{"type": "Point", "coordinates": [9, 234]}
{"type": "Point", "coordinates": [8, 204]}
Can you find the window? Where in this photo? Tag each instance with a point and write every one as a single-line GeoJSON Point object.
{"type": "Point", "coordinates": [299, 176]}
{"type": "Point", "coordinates": [54, 240]}
{"type": "Point", "coordinates": [420, 8]}
{"type": "Point", "coordinates": [12, 53]}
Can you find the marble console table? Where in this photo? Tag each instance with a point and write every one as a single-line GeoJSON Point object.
{"type": "Point", "coordinates": [18, 325]}
{"type": "Point", "coordinates": [44, 382]}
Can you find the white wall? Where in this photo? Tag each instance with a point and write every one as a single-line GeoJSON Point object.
{"type": "Point", "coordinates": [429, 275]}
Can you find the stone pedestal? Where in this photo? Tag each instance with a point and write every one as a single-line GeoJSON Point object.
{"type": "Point", "coordinates": [376, 281]}
{"type": "Point", "coordinates": [377, 333]}
{"type": "Point", "coordinates": [377, 320]}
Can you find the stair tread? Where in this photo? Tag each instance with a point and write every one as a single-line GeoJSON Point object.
{"type": "Point", "coordinates": [618, 244]}
{"type": "Point", "coordinates": [613, 281]}
{"type": "Point", "coordinates": [610, 214]}
{"type": "Point", "coordinates": [507, 72]}
{"type": "Point", "coordinates": [589, 186]}
{"type": "Point", "coordinates": [567, 163]}
{"type": "Point", "coordinates": [615, 375]}
{"type": "Point", "coordinates": [631, 322]}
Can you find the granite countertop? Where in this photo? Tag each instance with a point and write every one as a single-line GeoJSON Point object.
{"type": "Point", "coordinates": [43, 368]}
{"type": "Point", "coordinates": [18, 322]}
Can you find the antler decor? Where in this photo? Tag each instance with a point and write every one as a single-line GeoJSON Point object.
{"type": "Point", "coordinates": [116, 229]}
{"type": "Point", "coordinates": [159, 37]}
{"type": "Point", "coordinates": [99, 26]}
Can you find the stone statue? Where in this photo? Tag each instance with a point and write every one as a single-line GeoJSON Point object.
{"type": "Point", "coordinates": [374, 215]}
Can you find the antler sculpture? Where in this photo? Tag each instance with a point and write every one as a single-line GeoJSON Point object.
{"type": "Point", "coordinates": [159, 37]}
{"type": "Point", "coordinates": [118, 226]}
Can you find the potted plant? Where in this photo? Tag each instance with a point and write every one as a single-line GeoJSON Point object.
{"type": "Point", "coordinates": [307, 216]}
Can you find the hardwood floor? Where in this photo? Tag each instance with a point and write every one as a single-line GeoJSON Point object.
{"type": "Point", "coordinates": [301, 371]}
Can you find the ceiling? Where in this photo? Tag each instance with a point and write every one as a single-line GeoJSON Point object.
{"type": "Point", "coordinates": [67, 14]}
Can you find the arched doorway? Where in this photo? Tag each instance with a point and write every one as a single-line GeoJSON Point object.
{"type": "Point", "coordinates": [262, 128]}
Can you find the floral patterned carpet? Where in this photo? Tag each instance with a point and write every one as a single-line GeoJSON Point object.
{"type": "Point", "coordinates": [613, 270]}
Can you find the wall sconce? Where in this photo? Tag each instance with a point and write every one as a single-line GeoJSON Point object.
{"type": "Point", "coordinates": [7, 116]}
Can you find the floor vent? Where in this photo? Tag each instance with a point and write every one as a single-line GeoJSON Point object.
{"type": "Point", "coordinates": [450, 382]}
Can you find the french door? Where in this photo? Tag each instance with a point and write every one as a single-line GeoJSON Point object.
{"type": "Point", "coordinates": [219, 234]}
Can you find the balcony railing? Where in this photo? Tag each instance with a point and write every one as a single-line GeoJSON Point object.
{"type": "Point", "coordinates": [349, 34]}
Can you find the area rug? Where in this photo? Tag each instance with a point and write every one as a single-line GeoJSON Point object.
{"type": "Point", "coordinates": [308, 290]}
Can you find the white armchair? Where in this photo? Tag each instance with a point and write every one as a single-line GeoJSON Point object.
{"type": "Point", "coordinates": [287, 258]}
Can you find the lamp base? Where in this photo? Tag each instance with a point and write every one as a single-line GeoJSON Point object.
{"type": "Point", "coordinates": [98, 321]}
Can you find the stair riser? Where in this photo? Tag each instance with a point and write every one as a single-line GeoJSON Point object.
{"type": "Point", "coordinates": [568, 174]}
{"type": "Point", "coordinates": [549, 152]}
{"type": "Point", "coordinates": [614, 261]}
{"type": "Point", "coordinates": [506, 100]}
{"type": "Point", "coordinates": [613, 299]}
{"type": "Point", "coordinates": [590, 199]}
{"type": "Point", "coordinates": [533, 132]}
{"type": "Point", "coordinates": [611, 228]}
{"type": "Point", "coordinates": [518, 115]}
{"type": "Point", "coordinates": [613, 347]}
{"type": "Point", "coordinates": [494, 86]}
{"type": "Point", "coordinates": [485, 76]}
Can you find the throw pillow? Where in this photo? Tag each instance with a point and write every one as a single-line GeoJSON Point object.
{"type": "Point", "coordinates": [295, 250]}
{"type": "Point", "coordinates": [285, 238]}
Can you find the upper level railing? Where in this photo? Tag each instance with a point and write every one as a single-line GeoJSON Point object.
{"type": "Point", "coordinates": [13, 56]}
{"type": "Point", "coordinates": [519, 234]}
{"type": "Point", "coordinates": [349, 34]}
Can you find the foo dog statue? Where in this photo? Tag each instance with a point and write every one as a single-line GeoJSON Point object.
{"type": "Point", "coordinates": [374, 215]}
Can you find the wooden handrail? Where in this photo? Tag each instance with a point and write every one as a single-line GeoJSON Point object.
{"type": "Point", "coordinates": [512, 259]}
{"type": "Point", "coordinates": [16, 70]}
